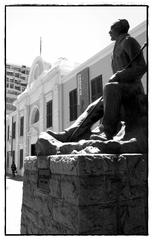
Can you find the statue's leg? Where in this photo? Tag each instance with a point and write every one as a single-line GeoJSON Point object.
{"type": "Point", "coordinates": [83, 122]}
{"type": "Point", "coordinates": [112, 106]}
{"type": "Point", "coordinates": [81, 129]}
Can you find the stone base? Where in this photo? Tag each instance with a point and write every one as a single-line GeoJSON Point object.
{"type": "Point", "coordinates": [98, 194]}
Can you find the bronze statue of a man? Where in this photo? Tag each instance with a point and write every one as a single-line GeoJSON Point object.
{"type": "Point", "coordinates": [125, 83]}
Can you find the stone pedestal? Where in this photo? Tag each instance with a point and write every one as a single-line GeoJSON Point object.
{"type": "Point", "coordinates": [98, 194]}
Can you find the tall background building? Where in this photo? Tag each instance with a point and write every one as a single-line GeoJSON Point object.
{"type": "Point", "coordinates": [16, 82]}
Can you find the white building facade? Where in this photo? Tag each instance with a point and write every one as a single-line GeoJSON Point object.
{"type": "Point", "coordinates": [55, 97]}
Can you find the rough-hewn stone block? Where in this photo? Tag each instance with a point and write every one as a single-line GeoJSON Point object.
{"type": "Point", "coordinates": [88, 194]}
{"type": "Point", "coordinates": [66, 214]}
{"type": "Point", "coordinates": [95, 219]}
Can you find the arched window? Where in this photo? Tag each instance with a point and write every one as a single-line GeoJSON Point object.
{"type": "Point", "coordinates": [35, 116]}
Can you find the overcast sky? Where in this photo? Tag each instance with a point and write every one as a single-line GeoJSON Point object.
{"type": "Point", "coordinates": [76, 33]}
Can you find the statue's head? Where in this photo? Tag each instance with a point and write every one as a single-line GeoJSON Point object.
{"type": "Point", "coordinates": [118, 28]}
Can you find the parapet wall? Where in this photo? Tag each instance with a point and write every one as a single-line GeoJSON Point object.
{"type": "Point", "coordinates": [85, 194]}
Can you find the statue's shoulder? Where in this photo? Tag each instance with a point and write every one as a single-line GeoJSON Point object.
{"type": "Point", "coordinates": [129, 41]}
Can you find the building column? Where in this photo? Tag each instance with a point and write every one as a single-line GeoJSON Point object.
{"type": "Point", "coordinates": [55, 110]}
{"type": "Point", "coordinates": [60, 104]}
{"type": "Point", "coordinates": [26, 129]}
{"type": "Point", "coordinates": [42, 113]}
{"type": "Point", "coordinates": [17, 140]}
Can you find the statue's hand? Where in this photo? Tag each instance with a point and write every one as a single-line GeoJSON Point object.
{"type": "Point", "coordinates": [115, 77]}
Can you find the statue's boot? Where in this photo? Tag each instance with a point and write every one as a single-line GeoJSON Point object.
{"type": "Point", "coordinates": [60, 136]}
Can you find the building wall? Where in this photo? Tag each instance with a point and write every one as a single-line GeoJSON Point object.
{"type": "Point", "coordinates": [102, 67]}
{"type": "Point", "coordinates": [67, 87]}
{"type": "Point", "coordinates": [11, 143]}
{"type": "Point", "coordinates": [43, 86]}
